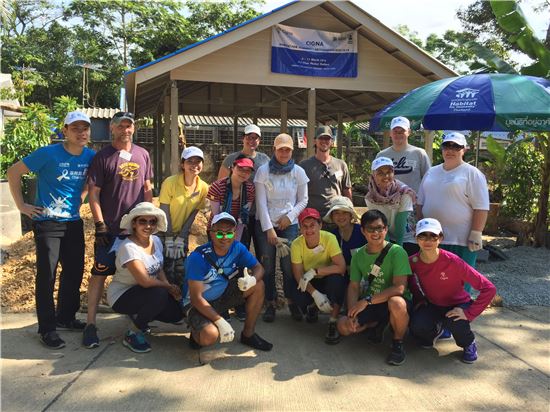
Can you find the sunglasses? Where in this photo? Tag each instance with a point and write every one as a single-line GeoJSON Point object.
{"type": "Point", "coordinates": [452, 146]}
{"type": "Point", "coordinates": [123, 114]}
{"type": "Point", "coordinates": [428, 236]}
{"type": "Point", "coordinates": [376, 229]}
{"type": "Point", "coordinates": [251, 137]}
{"type": "Point", "coordinates": [221, 234]}
{"type": "Point", "coordinates": [145, 222]}
{"type": "Point", "coordinates": [326, 172]}
{"type": "Point", "coordinates": [381, 173]}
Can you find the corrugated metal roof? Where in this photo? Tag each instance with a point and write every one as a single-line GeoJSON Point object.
{"type": "Point", "coordinates": [99, 112]}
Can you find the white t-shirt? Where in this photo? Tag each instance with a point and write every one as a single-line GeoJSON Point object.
{"type": "Point", "coordinates": [280, 195]}
{"type": "Point", "coordinates": [451, 197]}
{"type": "Point", "coordinates": [123, 279]}
{"type": "Point", "coordinates": [406, 205]}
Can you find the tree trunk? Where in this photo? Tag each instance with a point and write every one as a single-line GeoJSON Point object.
{"type": "Point", "coordinates": [541, 222]}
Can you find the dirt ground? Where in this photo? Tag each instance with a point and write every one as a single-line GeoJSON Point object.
{"type": "Point", "coordinates": [18, 264]}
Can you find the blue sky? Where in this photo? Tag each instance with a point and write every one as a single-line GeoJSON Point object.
{"type": "Point", "coordinates": [428, 16]}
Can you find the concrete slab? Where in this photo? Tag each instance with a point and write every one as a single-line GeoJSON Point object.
{"type": "Point", "coordinates": [301, 373]}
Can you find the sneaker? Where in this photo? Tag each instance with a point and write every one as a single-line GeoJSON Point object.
{"type": "Point", "coordinates": [333, 336]}
{"type": "Point", "coordinates": [446, 335]}
{"type": "Point", "coordinates": [89, 337]}
{"type": "Point", "coordinates": [52, 340]}
{"type": "Point", "coordinates": [193, 344]}
{"type": "Point", "coordinates": [135, 341]}
{"type": "Point", "coordinates": [269, 314]}
{"type": "Point", "coordinates": [470, 353]}
{"type": "Point", "coordinates": [240, 313]}
{"type": "Point", "coordinates": [430, 345]}
{"type": "Point", "coordinates": [256, 342]}
{"type": "Point", "coordinates": [312, 314]}
{"type": "Point", "coordinates": [295, 312]}
{"type": "Point", "coordinates": [397, 354]}
{"type": "Point", "coordinates": [376, 334]}
{"type": "Point", "coordinates": [74, 325]}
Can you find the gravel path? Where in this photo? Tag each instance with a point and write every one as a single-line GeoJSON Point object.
{"type": "Point", "coordinates": [523, 279]}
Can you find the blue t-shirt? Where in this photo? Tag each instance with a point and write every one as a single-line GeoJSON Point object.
{"type": "Point", "coordinates": [60, 179]}
{"type": "Point", "coordinates": [355, 241]}
{"type": "Point", "coordinates": [197, 267]}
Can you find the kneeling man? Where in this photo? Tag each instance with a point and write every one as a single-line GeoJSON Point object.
{"type": "Point", "coordinates": [377, 291]}
{"type": "Point", "coordinates": [213, 286]}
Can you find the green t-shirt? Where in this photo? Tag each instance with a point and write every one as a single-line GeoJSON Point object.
{"type": "Point", "coordinates": [396, 263]}
{"type": "Point", "coordinates": [317, 257]}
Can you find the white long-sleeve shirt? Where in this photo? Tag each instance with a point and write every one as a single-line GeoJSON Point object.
{"type": "Point", "coordinates": [280, 195]}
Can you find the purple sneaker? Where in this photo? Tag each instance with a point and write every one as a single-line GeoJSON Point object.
{"type": "Point", "coordinates": [470, 353]}
{"type": "Point", "coordinates": [445, 335]}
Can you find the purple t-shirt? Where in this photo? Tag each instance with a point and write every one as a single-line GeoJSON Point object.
{"type": "Point", "coordinates": [121, 179]}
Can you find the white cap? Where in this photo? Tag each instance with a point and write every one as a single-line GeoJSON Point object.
{"type": "Point", "coordinates": [381, 161]}
{"type": "Point", "coordinates": [76, 116]}
{"type": "Point", "coordinates": [428, 225]}
{"type": "Point", "coordinates": [455, 137]}
{"type": "Point", "coordinates": [252, 128]}
{"type": "Point", "coordinates": [192, 151]}
{"type": "Point", "coordinates": [400, 121]}
{"type": "Point", "coordinates": [223, 216]}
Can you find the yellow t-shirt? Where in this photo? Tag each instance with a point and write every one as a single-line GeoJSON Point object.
{"type": "Point", "coordinates": [317, 257]}
{"type": "Point", "coordinates": [182, 203]}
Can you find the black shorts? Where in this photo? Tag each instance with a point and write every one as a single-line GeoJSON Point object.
{"type": "Point", "coordinates": [104, 258]}
{"type": "Point", "coordinates": [231, 297]}
{"type": "Point", "coordinates": [378, 313]}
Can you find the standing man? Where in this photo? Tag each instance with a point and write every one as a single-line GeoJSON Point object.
{"type": "Point", "coordinates": [58, 229]}
{"type": "Point", "coordinates": [119, 178]}
{"type": "Point", "coordinates": [411, 163]}
{"type": "Point", "coordinates": [328, 176]}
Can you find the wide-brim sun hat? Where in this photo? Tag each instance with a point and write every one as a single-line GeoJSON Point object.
{"type": "Point", "coordinates": [144, 209]}
{"type": "Point", "coordinates": [341, 203]}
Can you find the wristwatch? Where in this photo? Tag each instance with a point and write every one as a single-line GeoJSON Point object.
{"type": "Point", "coordinates": [368, 299]}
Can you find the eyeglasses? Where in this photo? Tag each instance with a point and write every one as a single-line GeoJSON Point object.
{"type": "Point", "coordinates": [428, 236]}
{"type": "Point", "coordinates": [452, 146]}
{"type": "Point", "coordinates": [146, 222]}
{"type": "Point", "coordinates": [377, 229]}
{"type": "Point", "coordinates": [381, 173]}
{"type": "Point", "coordinates": [251, 137]}
{"type": "Point", "coordinates": [220, 234]}
{"type": "Point", "coordinates": [123, 114]}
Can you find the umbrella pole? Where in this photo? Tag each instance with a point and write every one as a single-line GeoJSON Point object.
{"type": "Point", "coordinates": [477, 135]}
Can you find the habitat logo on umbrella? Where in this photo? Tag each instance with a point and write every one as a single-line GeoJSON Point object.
{"type": "Point", "coordinates": [465, 100]}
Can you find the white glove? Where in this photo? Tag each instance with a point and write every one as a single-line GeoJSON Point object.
{"type": "Point", "coordinates": [227, 334]}
{"type": "Point", "coordinates": [321, 301]}
{"type": "Point", "coordinates": [475, 241]}
{"type": "Point", "coordinates": [306, 278]}
{"type": "Point", "coordinates": [169, 247]}
{"type": "Point", "coordinates": [179, 245]}
{"type": "Point", "coordinates": [282, 247]}
{"type": "Point", "coordinates": [246, 282]}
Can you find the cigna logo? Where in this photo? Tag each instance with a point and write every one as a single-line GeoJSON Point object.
{"type": "Point", "coordinates": [466, 93]}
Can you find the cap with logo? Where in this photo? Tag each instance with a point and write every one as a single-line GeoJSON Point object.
{"type": "Point", "coordinates": [455, 137]}
{"type": "Point", "coordinates": [252, 128]}
{"type": "Point", "coordinates": [223, 216]}
{"type": "Point", "coordinates": [400, 121]}
{"type": "Point", "coordinates": [120, 116]}
{"type": "Point", "coordinates": [381, 161]}
{"type": "Point", "coordinates": [192, 151]}
{"type": "Point", "coordinates": [428, 225]}
{"type": "Point", "coordinates": [324, 131]}
{"type": "Point", "coordinates": [283, 140]}
{"type": "Point", "coordinates": [76, 116]}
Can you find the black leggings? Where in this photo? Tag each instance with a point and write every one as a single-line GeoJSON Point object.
{"type": "Point", "coordinates": [148, 304]}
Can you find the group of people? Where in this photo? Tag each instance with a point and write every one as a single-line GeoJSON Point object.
{"type": "Point", "coordinates": [408, 262]}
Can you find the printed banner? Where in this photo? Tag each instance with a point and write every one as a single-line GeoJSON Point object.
{"type": "Point", "coordinates": [313, 52]}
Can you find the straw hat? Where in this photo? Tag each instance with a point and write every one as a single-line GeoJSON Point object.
{"type": "Point", "coordinates": [341, 203]}
{"type": "Point", "coordinates": [144, 209]}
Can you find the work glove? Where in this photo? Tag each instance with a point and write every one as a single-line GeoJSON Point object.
{"type": "Point", "coordinates": [475, 241]}
{"type": "Point", "coordinates": [227, 334]}
{"type": "Point", "coordinates": [169, 247]}
{"type": "Point", "coordinates": [246, 282]}
{"type": "Point", "coordinates": [322, 301]}
{"type": "Point", "coordinates": [102, 236]}
{"type": "Point", "coordinates": [306, 278]}
{"type": "Point", "coordinates": [179, 247]}
{"type": "Point", "coordinates": [282, 247]}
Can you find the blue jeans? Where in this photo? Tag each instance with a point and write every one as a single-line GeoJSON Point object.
{"type": "Point", "coordinates": [267, 254]}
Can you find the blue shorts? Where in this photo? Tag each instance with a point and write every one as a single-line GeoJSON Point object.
{"type": "Point", "coordinates": [104, 257]}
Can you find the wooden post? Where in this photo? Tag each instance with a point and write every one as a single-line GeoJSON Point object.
{"type": "Point", "coordinates": [429, 143]}
{"type": "Point", "coordinates": [340, 136]}
{"type": "Point", "coordinates": [235, 133]}
{"type": "Point", "coordinates": [387, 140]}
{"type": "Point", "coordinates": [174, 130]}
{"type": "Point", "coordinates": [284, 116]}
{"type": "Point", "coordinates": [166, 137]}
{"type": "Point", "coordinates": [311, 121]}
